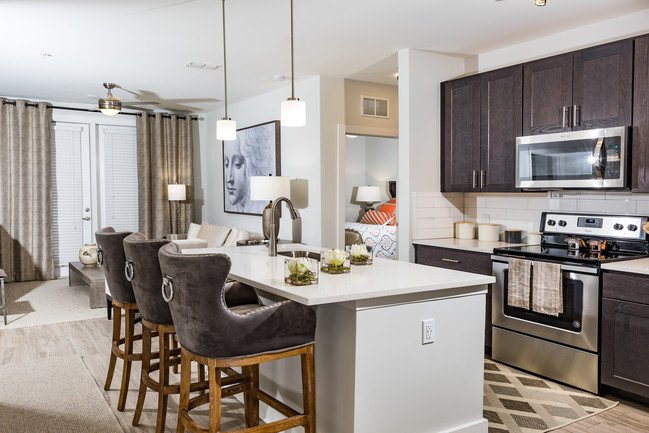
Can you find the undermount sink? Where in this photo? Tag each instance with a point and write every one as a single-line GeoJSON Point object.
{"type": "Point", "coordinates": [248, 242]}
{"type": "Point", "coordinates": [299, 253]}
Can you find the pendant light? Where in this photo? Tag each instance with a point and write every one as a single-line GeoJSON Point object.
{"type": "Point", "coordinates": [293, 110]}
{"type": "Point", "coordinates": [226, 128]}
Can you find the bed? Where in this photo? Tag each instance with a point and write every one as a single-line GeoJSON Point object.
{"type": "Point", "coordinates": [381, 237]}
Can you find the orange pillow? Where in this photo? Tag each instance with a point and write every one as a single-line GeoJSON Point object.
{"type": "Point", "coordinates": [391, 209]}
{"type": "Point", "coordinates": [393, 200]}
{"type": "Point", "coordinates": [376, 217]}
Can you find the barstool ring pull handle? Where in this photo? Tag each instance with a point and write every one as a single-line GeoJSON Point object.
{"type": "Point", "coordinates": [129, 270]}
{"type": "Point", "coordinates": [167, 281]}
{"type": "Point", "coordinates": [100, 257]}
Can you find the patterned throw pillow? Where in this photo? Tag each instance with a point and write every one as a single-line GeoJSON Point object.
{"type": "Point", "coordinates": [391, 209]}
{"type": "Point", "coordinates": [376, 217]}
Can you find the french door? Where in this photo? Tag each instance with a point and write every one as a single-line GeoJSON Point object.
{"type": "Point", "coordinates": [94, 183]}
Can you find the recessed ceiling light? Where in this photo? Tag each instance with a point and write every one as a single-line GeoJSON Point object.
{"type": "Point", "coordinates": [539, 2]}
{"type": "Point", "coordinates": [199, 65]}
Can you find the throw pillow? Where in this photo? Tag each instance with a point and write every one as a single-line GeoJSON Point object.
{"type": "Point", "coordinates": [391, 209]}
{"type": "Point", "coordinates": [192, 232]}
{"type": "Point", "coordinates": [213, 234]}
{"type": "Point", "coordinates": [393, 200]}
{"type": "Point", "coordinates": [376, 217]}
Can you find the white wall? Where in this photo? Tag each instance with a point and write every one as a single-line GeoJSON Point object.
{"type": "Point", "coordinates": [420, 75]}
{"type": "Point", "coordinates": [368, 161]}
{"type": "Point", "coordinates": [300, 151]}
{"type": "Point", "coordinates": [581, 37]}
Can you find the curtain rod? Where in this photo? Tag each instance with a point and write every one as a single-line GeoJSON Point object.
{"type": "Point", "coordinates": [28, 104]}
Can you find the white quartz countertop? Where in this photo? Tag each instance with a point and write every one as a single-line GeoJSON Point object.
{"type": "Point", "coordinates": [465, 244]}
{"type": "Point", "coordinates": [635, 266]}
{"type": "Point", "coordinates": [253, 266]}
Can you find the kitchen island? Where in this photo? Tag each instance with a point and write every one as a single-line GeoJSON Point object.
{"type": "Point", "coordinates": [373, 374]}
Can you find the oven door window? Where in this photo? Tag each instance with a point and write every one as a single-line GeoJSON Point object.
{"type": "Point", "coordinates": [570, 319]}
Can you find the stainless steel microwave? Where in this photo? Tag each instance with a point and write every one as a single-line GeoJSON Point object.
{"type": "Point", "coordinates": [594, 158]}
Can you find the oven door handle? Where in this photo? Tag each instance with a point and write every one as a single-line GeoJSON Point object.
{"type": "Point", "coordinates": [564, 268]}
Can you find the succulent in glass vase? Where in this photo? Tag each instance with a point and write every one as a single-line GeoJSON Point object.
{"type": "Point", "coordinates": [301, 271]}
{"type": "Point", "coordinates": [360, 254]}
{"type": "Point", "coordinates": [335, 261]}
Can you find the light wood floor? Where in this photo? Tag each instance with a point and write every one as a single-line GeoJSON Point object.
{"type": "Point", "coordinates": [90, 339]}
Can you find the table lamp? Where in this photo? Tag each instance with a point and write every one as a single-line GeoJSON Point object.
{"type": "Point", "coordinates": [368, 194]}
{"type": "Point", "coordinates": [269, 188]}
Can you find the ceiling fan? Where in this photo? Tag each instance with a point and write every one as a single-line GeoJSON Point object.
{"type": "Point", "coordinates": [111, 105]}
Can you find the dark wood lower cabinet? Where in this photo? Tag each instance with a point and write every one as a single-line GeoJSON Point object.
{"type": "Point", "coordinates": [625, 333]}
{"type": "Point", "coordinates": [459, 260]}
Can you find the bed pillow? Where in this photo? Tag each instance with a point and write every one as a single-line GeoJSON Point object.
{"type": "Point", "coordinates": [391, 209]}
{"type": "Point", "coordinates": [376, 217]}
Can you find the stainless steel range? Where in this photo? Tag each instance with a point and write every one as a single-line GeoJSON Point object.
{"type": "Point", "coordinates": [563, 346]}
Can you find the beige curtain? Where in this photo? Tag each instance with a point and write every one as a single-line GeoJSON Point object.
{"type": "Point", "coordinates": [26, 233]}
{"type": "Point", "coordinates": [164, 156]}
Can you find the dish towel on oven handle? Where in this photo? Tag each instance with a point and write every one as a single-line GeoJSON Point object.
{"type": "Point", "coordinates": [518, 283]}
{"type": "Point", "coordinates": [547, 288]}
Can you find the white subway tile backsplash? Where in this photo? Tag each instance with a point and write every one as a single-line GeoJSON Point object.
{"type": "Point", "coordinates": [425, 202]}
{"type": "Point", "coordinates": [440, 223]}
{"type": "Point", "coordinates": [431, 212]}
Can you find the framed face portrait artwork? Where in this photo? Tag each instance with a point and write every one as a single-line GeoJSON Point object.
{"type": "Point", "coordinates": [255, 152]}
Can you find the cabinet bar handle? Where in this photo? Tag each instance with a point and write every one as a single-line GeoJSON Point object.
{"type": "Point", "coordinates": [450, 260]}
{"type": "Point", "coordinates": [575, 115]}
{"type": "Point", "coordinates": [475, 179]}
{"type": "Point", "coordinates": [483, 174]}
{"type": "Point", "coordinates": [564, 116]}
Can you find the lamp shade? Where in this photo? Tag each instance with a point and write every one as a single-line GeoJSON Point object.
{"type": "Point", "coordinates": [293, 112]}
{"type": "Point", "coordinates": [269, 187]}
{"type": "Point", "coordinates": [226, 129]}
{"type": "Point", "coordinates": [369, 194]}
{"type": "Point", "coordinates": [176, 192]}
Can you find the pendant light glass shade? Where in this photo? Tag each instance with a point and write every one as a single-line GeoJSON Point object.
{"type": "Point", "coordinates": [110, 105]}
{"type": "Point", "coordinates": [226, 129]}
{"type": "Point", "coordinates": [293, 112]}
{"type": "Point", "coordinates": [539, 2]}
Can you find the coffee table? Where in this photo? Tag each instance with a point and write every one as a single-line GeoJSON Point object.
{"type": "Point", "coordinates": [93, 277]}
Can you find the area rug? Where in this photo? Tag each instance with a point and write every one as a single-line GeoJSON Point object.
{"type": "Point", "coordinates": [35, 303]}
{"type": "Point", "coordinates": [53, 395]}
{"type": "Point", "coordinates": [516, 402]}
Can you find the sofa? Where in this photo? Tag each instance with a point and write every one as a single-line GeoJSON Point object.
{"type": "Point", "coordinates": [207, 235]}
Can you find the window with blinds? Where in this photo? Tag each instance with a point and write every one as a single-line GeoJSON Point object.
{"type": "Point", "coordinates": [118, 180]}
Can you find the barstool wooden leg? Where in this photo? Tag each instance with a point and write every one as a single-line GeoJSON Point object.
{"type": "Point", "coordinates": [128, 352]}
{"type": "Point", "coordinates": [308, 387]}
{"type": "Point", "coordinates": [146, 363]}
{"type": "Point", "coordinates": [163, 379]}
{"type": "Point", "coordinates": [251, 397]}
{"type": "Point", "coordinates": [214, 376]}
{"type": "Point", "coordinates": [174, 345]}
{"type": "Point", "coordinates": [185, 381]}
{"type": "Point", "coordinates": [117, 327]}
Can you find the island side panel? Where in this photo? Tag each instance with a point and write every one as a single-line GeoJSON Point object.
{"type": "Point", "coordinates": [402, 385]}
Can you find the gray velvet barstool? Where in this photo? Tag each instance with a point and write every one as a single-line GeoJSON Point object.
{"type": "Point", "coordinates": [142, 269]}
{"type": "Point", "coordinates": [110, 255]}
{"type": "Point", "coordinates": [221, 337]}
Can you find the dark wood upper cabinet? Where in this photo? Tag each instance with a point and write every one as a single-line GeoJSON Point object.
{"type": "Point", "coordinates": [461, 134]}
{"type": "Point", "coordinates": [587, 89]}
{"type": "Point", "coordinates": [602, 86]}
{"type": "Point", "coordinates": [501, 122]}
{"type": "Point", "coordinates": [640, 130]}
{"type": "Point", "coordinates": [547, 95]}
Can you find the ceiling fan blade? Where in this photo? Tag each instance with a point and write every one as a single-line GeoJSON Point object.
{"type": "Point", "coordinates": [140, 103]}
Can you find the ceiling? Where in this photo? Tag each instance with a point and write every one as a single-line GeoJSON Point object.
{"type": "Point", "coordinates": [63, 50]}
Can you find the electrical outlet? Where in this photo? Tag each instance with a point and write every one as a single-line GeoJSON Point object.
{"type": "Point", "coordinates": [428, 331]}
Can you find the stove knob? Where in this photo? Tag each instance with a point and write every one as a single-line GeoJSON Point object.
{"type": "Point", "coordinates": [551, 222]}
{"type": "Point", "coordinates": [632, 227]}
{"type": "Point", "coordinates": [562, 223]}
{"type": "Point", "coordinates": [618, 226]}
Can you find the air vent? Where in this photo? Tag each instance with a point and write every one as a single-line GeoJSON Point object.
{"type": "Point", "coordinates": [372, 106]}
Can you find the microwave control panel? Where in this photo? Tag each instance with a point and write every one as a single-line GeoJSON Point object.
{"type": "Point", "coordinates": [612, 162]}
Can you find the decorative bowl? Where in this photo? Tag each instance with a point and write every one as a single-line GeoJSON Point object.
{"type": "Point", "coordinates": [335, 261]}
{"type": "Point", "coordinates": [301, 271]}
{"type": "Point", "coordinates": [360, 254]}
